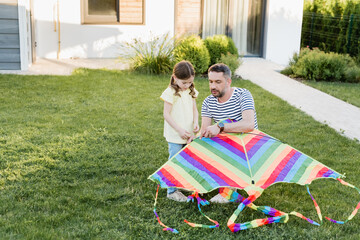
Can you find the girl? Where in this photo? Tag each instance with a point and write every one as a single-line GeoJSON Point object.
{"type": "Point", "coordinates": [180, 114]}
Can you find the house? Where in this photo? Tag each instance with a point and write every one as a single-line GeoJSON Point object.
{"type": "Point", "coordinates": [63, 29]}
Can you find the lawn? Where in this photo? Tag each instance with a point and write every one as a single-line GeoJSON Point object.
{"type": "Point", "coordinates": [76, 151]}
{"type": "Point", "coordinates": [348, 92]}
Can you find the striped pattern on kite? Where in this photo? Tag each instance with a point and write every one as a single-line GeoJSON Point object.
{"type": "Point", "coordinates": [251, 161]}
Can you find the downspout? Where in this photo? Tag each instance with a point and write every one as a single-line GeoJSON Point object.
{"type": "Point", "coordinates": [58, 20]}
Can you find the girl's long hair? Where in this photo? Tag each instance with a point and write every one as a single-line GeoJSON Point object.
{"type": "Point", "coordinates": [183, 70]}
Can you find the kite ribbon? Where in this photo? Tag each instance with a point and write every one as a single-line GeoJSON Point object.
{"type": "Point", "coordinates": [166, 228]}
{"type": "Point", "coordinates": [202, 202]}
{"type": "Point", "coordinates": [355, 210]}
{"type": "Point", "coordinates": [316, 207]}
{"type": "Point", "coordinates": [231, 195]}
{"type": "Point", "coordinates": [279, 217]}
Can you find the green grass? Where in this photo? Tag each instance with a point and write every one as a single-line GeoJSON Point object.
{"type": "Point", "coordinates": [348, 92]}
{"type": "Point", "coordinates": [76, 151]}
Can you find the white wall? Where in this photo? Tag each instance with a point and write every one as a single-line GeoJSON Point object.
{"type": "Point", "coordinates": [24, 33]}
{"type": "Point", "coordinates": [93, 41]}
{"type": "Point", "coordinates": [282, 30]}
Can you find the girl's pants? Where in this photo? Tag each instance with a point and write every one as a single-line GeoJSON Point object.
{"type": "Point", "coordinates": [174, 148]}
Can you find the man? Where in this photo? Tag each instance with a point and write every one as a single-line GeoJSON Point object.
{"type": "Point", "coordinates": [226, 102]}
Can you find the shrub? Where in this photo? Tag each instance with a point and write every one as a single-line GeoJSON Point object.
{"type": "Point", "coordinates": [297, 56]}
{"type": "Point", "coordinates": [287, 71]}
{"type": "Point", "coordinates": [352, 74]}
{"type": "Point", "coordinates": [219, 44]}
{"type": "Point", "coordinates": [153, 56]}
{"type": "Point", "coordinates": [193, 49]}
{"type": "Point", "coordinates": [320, 66]}
{"type": "Point", "coordinates": [231, 60]}
{"type": "Point", "coordinates": [232, 48]}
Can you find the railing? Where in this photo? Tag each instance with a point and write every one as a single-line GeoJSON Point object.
{"type": "Point", "coordinates": [339, 34]}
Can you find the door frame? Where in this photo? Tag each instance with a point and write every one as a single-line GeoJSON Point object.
{"type": "Point", "coordinates": [32, 30]}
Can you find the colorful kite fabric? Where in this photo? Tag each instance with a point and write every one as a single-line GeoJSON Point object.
{"type": "Point", "coordinates": [251, 161]}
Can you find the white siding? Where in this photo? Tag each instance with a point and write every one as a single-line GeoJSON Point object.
{"type": "Point", "coordinates": [282, 30]}
{"type": "Point", "coordinates": [9, 36]}
{"type": "Point", "coordinates": [93, 41]}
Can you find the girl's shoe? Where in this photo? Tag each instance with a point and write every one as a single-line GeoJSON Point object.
{"type": "Point", "coordinates": [177, 196]}
{"type": "Point", "coordinates": [219, 199]}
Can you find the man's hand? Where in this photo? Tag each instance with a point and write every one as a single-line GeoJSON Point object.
{"type": "Point", "coordinates": [211, 131]}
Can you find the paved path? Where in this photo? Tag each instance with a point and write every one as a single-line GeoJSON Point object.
{"type": "Point", "coordinates": [66, 66]}
{"type": "Point", "coordinates": [343, 117]}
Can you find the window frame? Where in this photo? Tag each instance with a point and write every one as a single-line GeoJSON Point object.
{"type": "Point", "coordinates": [87, 19]}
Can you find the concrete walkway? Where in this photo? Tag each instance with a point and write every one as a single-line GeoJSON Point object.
{"type": "Point", "coordinates": [66, 66]}
{"type": "Point", "coordinates": [341, 116]}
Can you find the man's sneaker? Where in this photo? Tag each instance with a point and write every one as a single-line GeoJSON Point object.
{"type": "Point", "coordinates": [177, 196]}
{"type": "Point", "coordinates": [219, 199]}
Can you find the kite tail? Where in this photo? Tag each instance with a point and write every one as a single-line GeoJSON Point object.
{"type": "Point", "coordinates": [355, 210]}
{"type": "Point", "coordinates": [317, 210]}
{"type": "Point", "coordinates": [278, 216]}
{"type": "Point", "coordinates": [231, 195]}
{"type": "Point", "coordinates": [202, 202]}
{"type": "Point", "coordinates": [267, 210]}
{"type": "Point", "coordinates": [234, 196]}
{"type": "Point", "coordinates": [166, 228]}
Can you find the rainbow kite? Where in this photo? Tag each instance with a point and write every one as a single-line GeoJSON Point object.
{"type": "Point", "coordinates": [251, 161]}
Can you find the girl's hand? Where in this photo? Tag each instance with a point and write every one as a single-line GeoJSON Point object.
{"type": "Point", "coordinates": [184, 134]}
{"type": "Point", "coordinates": [191, 139]}
{"type": "Point", "coordinates": [196, 127]}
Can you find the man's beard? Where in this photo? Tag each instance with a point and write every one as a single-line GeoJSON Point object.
{"type": "Point", "coordinates": [218, 94]}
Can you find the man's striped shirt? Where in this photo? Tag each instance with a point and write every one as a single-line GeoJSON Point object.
{"type": "Point", "coordinates": [240, 100]}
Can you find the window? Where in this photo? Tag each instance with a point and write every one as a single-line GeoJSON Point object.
{"type": "Point", "coordinates": [113, 11]}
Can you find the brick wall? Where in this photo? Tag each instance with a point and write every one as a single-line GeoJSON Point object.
{"type": "Point", "coordinates": [188, 16]}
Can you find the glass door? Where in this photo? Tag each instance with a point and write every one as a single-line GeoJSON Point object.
{"type": "Point", "coordinates": [242, 20]}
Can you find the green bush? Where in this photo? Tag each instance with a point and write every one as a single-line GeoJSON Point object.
{"type": "Point", "coordinates": [287, 71]}
{"type": "Point", "coordinates": [320, 66]}
{"type": "Point", "coordinates": [297, 56]}
{"type": "Point", "coordinates": [193, 49]}
{"type": "Point", "coordinates": [232, 48]}
{"type": "Point", "coordinates": [219, 44]}
{"type": "Point", "coordinates": [231, 60]}
{"type": "Point", "coordinates": [352, 74]}
{"type": "Point", "coordinates": [154, 56]}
